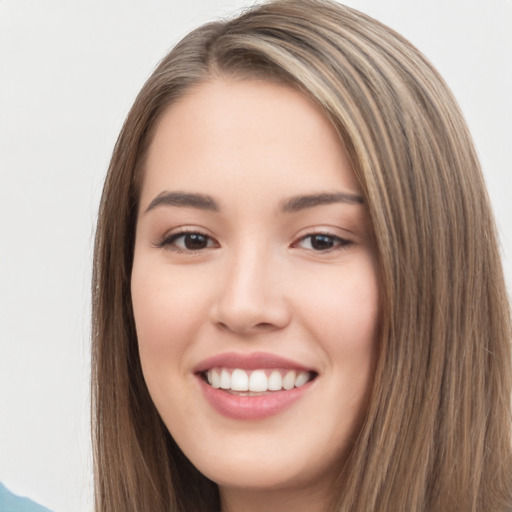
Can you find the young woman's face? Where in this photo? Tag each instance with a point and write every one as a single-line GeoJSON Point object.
{"type": "Point", "coordinates": [254, 287]}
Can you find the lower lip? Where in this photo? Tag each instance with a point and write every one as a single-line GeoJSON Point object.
{"type": "Point", "coordinates": [251, 407]}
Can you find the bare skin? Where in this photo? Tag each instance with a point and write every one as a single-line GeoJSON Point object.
{"type": "Point", "coordinates": [252, 238]}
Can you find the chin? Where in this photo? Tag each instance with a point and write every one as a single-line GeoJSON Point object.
{"type": "Point", "coordinates": [258, 464]}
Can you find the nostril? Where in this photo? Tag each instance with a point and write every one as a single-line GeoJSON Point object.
{"type": "Point", "coordinates": [246, 329]}
{"type": "Point", "coordinates": [265, 325]}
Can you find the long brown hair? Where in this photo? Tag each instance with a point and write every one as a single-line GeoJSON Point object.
{"type": "Point", "coordinates": [437, 429]}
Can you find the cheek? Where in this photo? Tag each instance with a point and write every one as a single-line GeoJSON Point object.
{"type": "Point", "coordinates": [342, 313]}
{"type": "Point", "coordinates": [343, 307]}
{"type": "Point", "coordinates": [168, 308]}
{"type": "Point", "coordinates": [168, 311]}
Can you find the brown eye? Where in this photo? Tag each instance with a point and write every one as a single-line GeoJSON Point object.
{"type": "Point", "coordinates": [322, 242]}
{"type": "Point", "coordinates": [188, 241]}
{"type": "Point", "coordinates": [194, 241]}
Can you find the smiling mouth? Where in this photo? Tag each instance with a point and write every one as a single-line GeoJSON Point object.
{"type": "Point", "coordinates": [256, 382]}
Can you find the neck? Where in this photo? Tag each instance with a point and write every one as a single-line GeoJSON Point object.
{"type": "Point", "coordinates": [256, 500]}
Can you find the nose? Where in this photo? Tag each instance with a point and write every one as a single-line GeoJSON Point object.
{"type": "Point", "coordinates": [252, 295]}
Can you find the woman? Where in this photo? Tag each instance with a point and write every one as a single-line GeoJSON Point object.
{"type": "Point", "coordinates": [298, 298]}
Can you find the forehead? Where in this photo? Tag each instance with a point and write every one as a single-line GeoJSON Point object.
{"type": "Point", "coordinates": [246, 134]}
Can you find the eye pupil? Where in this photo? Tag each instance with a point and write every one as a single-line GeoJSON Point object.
{"type": "Point", "coordinates": [195, 241]}
{"type": "Point", "coordinates": [322, 242]}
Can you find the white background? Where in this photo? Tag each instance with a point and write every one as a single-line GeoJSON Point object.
{"type": "Point", "coordinates": [69, 71]}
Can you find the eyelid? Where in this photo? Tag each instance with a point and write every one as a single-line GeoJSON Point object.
{"type": "Point", "coordinates": [340, 242]}
{"type": "Point", "coordinates": [168, 239]}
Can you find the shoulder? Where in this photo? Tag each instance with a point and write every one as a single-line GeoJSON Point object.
{"type": "Point", "coordinates": [12, 503]}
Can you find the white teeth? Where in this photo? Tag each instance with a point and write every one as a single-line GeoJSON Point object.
{"type": "Point", "coordinates": [215, 378]}
{"type": "Point", "coordinates": [275, 381]}
{"type": "Point", "coordinates": [257, 380]}
{"type": "Point", "coordinates": [301, 379]}
{"type": "Point", "coordinates": [239, 380]}
{"type": "Point", "coordinates": [289, 380]}
{"type": "Point", "coordinates": [225, 379]}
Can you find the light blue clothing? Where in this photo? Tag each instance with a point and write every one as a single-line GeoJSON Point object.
{"type": "Point", "coordinates": [11, 503]}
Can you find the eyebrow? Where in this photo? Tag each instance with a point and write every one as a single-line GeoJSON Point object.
{"type": "Point", "coordinates": [184, 199]}
{"type": "Point", "coordinates": [294, 204]}
{"type": "Point", "coordinates": [298, 203]}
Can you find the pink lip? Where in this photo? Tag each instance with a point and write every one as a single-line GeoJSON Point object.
{"type": "Point", "coordinates": [242, 407]}
{"type": "Point", "coordinates": [253, 361]}
{"type": "Point", "coordinates": [251, 407]}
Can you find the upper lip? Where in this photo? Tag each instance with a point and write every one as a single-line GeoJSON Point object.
{"type": "Point", "coordinates": [252, 361]}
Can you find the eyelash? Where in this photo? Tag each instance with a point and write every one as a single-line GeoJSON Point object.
{"type": "Point", "coordinates": [336, 241]}
{"type": "Point", "coordinates": [169, 242]}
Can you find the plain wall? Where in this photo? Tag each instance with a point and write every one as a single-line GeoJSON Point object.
{"type": "Point", "coordinates": [69, 71]}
